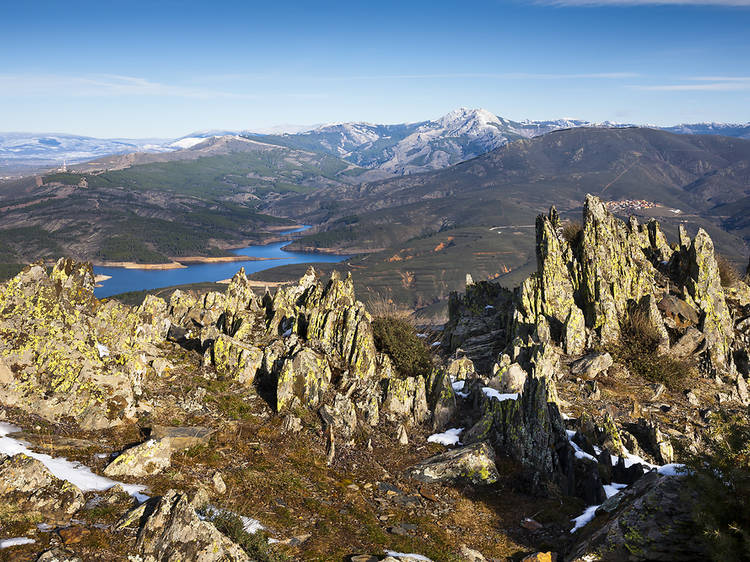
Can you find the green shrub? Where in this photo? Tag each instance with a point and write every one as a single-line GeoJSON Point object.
{"type": "Point", "coordinates": [721, 477]}
{"type": "Point", "coordinates": [638, 350]}
{"type": "Point", "coordinates": [255, 544]}
{"type": "Point", "coordinates": [397, 337]}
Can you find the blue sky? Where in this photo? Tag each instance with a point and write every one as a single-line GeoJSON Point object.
{"type": "Point", "coordinates": [165, 68]}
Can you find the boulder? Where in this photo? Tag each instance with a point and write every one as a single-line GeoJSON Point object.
{"type": "Point", "coordinates": [28, 489]}
{"type": "Point", "coordinates": [174, 532]}
{"type": "Point", "coordinates": [57, 555]}
{"type": "Point", "coordinates": [146, 459]}
{"type": "Point", "coordinates": [591, 365]}
{"type": "Point", "coordinates": [473, 463]}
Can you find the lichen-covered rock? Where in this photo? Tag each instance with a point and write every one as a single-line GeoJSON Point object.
{"type": "Point", "coordinates": [341, 415]}
{"type": "Point", "coordinates": [57, 555]}
{"type": "Point", "coordinates": [230, 357]}
{"type": "Point", "coordinates": [531, 431]}
{"type": "Point", "coordinates": [473, 463]}
{"type": "Point", "coordinates": [441, 399]}
{"type": "Point", "coordinates": [614, 269]}
{"type": "Point", "coordinates": [145, 459]}
{"type": "Point", "coordinates": [173, 532]}
{"type": "Point", "coordinates": [303, 378]}
{"type": "Point", "coordinates": [574, 332]}
{"type": "Point", "coordinates": [29, 490]}
{"type": "Point", "coordinates": [650, 520]}
{"type": "Point", "coordinates": [71, 355]}
{"type": "Point", "coordinates": [704, 286]}
{"type": "Point", "coordinates": [405, 399]}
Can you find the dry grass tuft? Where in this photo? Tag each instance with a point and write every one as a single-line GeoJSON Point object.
{"type": "Point", "coordinates": [727, 272]}
{"type": "Point", "coordinates": [571, 231]}
{"type": "Point", "coordinates": [382, 307]}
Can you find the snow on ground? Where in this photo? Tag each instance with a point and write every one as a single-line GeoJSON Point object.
{"type": "Point", "coordinates": [448, 437]}
{"type": "Point", "coordinates": [103, 350]}
{"type": "Point", "coordinates": [18, 541]}
{"type": "Point", "coordinates": [584, 518]}
{"type": "Point", "coordinates": [673, 469]}
{"type": "Point", "coordinates": [490, 392]}
{"type": "Point", "coordinates": [408, 556]}
{"type": "Point", "coordinates": [187, 142]}
{"type": "Point", "coordinates": [73, 472]}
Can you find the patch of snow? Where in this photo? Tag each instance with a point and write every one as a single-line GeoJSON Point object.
{"type": "Point", "coordinates": [411, 556]}
{"type": "Point", "coordinates": [421, 335]}
{"type": "Point", "coordinates": [491, 393]}
{"type": "Point", "coordinates": [435, 344]}
{"type": "Point", "coordinates": [584, 518]}
{"type": "Point", "coordinates": [673, 469]}
{"type": "Point", "coordinates": [580, 453]}
{"type": "Point", "coordinates": [74, 472]}
{"type": "Point", "coordinates": [447, 438]}
{"type": "Point", "coordinates": [287, 333]}
{"type": "Point", "coordinates": [631, 459]}
{"type": "Point", "coordinates": [459, 387]}
{"type": "Point", "coordinates": [488, 307]}
{"type": "Point", "coordinates": [613, 489]}
{"type": "Point", "coordinates": [18, 541]}
{"type": "Point", "coordinates": [103, 350]}
{"type": "Point", "coordinates": [251, 525]}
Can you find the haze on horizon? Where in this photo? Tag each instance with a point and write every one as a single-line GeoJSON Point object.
{"type": "Point", "coordinates": [166, 68]}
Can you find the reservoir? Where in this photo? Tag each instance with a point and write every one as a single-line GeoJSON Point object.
{"type": "Point", "coordinates": [124, 280]}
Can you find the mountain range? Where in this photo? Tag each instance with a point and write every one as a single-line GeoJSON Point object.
{"type": "Point", "coordinates": [397, 149]}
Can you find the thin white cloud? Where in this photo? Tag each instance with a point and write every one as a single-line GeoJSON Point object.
{"type": "Point", "coordinates": [703, 87]}
{"type": "Point", "coordinates": [104, 85]}
{"type": "Point", "coordinates": [604, 3]}
{"type": "Point", "coordinates": [505, 75]}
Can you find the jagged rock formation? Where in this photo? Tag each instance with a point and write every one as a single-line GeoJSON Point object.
{"type": "Point", "coordinates": [561, 321]}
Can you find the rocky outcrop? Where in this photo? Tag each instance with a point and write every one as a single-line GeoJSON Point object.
{"type": "Point", "coordinates": [27, 488]}
{"type": "Point", "coordinates": [650, 520]}
{"type": "Point", "coordinates": [69, 354]}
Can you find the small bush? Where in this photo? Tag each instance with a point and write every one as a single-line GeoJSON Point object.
{"type": "Point", "coordinates": [397, 337]}
{"type": "Point", "coordinates": [727, 272]}
{"type": "Point", "coordinates": [638, 350]}
{"type": "Point", "coordinates": [571, 230]}
{"type": "Point", "coordinates": [721, 476]}
{"type": "Point", "coordinates": [255, 544]}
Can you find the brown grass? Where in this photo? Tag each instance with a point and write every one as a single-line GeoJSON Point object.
{"type": "Point", "coordinates": [638, 350]}
{"type": "Point", "coordinates": [727, 272]}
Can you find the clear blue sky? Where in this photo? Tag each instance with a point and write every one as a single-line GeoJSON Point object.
{"type": "Point", "coordinates": [164, 68]}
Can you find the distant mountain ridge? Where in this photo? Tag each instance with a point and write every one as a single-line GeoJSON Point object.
{"type": "Point", "coordinates": [397, 149]}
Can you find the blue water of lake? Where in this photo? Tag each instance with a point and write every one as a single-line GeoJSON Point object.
{"type": "Point", "coordinates": [124, 280]}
